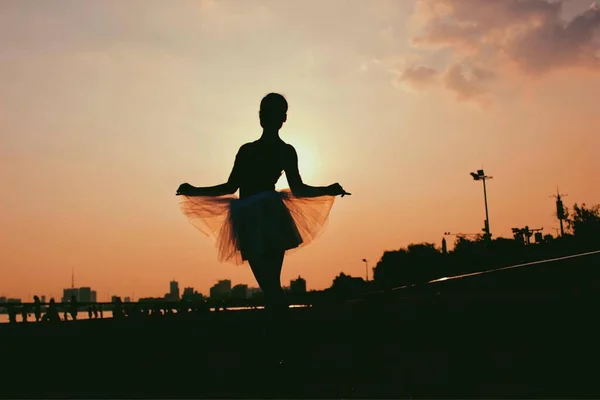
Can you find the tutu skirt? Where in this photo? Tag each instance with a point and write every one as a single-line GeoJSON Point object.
{"type": "Point", "coordinates": [267, 222]}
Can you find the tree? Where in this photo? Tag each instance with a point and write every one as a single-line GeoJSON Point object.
{"type": "Point", "coordinates": [413, 264]}
{"type": "Point", "coordinates": [566, 218]}
{"type": "Point", "coordinates": [347, 286]}
{"type": "Point", "coordinates": [585, 222]}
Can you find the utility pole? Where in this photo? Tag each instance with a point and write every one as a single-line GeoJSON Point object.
{"type": "Point", "coordinates": [481, 176]}
{"type": "Point", "coordinates": [560, 210]}
{"type": "Point", "coordinates": [366, 269]}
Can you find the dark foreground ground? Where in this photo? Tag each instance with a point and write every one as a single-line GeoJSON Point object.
{"type": "Point", "coordinates": [524, 333]}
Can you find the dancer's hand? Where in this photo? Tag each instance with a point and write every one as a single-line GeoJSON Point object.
{"type": "Point", "coordinates": [337, 190]}
{"type": "Point", "coordinates": [185, 189]}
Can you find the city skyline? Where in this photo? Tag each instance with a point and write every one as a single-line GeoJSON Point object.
{"type": "Point", "coordinates": [93, 296]}
{"type": "Point", "coordinates": [399, 101]}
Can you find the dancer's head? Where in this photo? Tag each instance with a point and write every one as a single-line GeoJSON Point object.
{"type": "Point", "coordinates": [273, 111]}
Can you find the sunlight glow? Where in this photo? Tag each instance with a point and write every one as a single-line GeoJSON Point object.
{"type": "Point", "coordinates": [307, 163]}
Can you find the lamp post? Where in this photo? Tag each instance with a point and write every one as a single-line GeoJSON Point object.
{"type": "Point", "coordinates": [366, 268]}
{"type": "Point", "coordinates": [481, 176]}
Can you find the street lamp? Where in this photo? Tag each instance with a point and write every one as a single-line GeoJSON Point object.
{"type": "Point", "coordinates": [481, 176]}
{"type": "Point", "coordinates": [366, 268]}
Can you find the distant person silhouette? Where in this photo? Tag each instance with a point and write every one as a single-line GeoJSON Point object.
{"type": "Point", "coordinates": [24, 313]}
{"type": "Point", "coordinates": [51, 313]}
{"type": "Point", "coordinates": [118, 311]}
{"type": "Point", "coordinates": [73, 308]}
{"type": "Point", "coordinates": [12, 315]}
{"type": "Point", "coordinates": [37, 308]}
{"type": "Point", "coordinates": [262, 224]}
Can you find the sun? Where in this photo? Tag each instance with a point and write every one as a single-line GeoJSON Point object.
{"type": "Point", "coordinates": [306, 164]}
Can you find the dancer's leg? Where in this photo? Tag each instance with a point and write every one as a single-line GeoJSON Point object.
{"type": "Point", "coordinates": [267, 271]}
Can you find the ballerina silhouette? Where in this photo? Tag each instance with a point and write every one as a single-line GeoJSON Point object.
{"type": "Point", "coordinates": [262, 224]}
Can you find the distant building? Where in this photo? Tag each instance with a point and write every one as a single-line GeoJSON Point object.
{"type": "Point", "coordinates": [13, 301]}
{"type": "Point", "coordinates": [173, 294]}
{"type": "Point", "coordinates": [43, 299]}
{"type": "Point", "coordinates": [2, 299]}
{"type": "Point", "coordinates": [69, 293]}
{"type": "Point", "coordinates": [85, 295]}
{"type": "Point", "coordinates": [254, 293]}
{"type": "Point", "coordinates": [127, 299]}
{"type": "Point", "coordinates": [114, 299]}
{"type": "Point", "coordinates": [189, 294]}
{"type": "Point", "coordinates": [298, 286]}
{"type": "Point", "coordinates": [239, 292]}
{"type": "Point", "coordinates": [221, 290]}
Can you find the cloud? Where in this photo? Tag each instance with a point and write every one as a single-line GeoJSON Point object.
{"type": "Point", "coordinates": [469, 83]}
{"type": "Point", "coordinates": [529, 37]}
{"type": "Point", "coordinates": [466, 81]}
{"type": "Point", "coordinates": [418, 77]}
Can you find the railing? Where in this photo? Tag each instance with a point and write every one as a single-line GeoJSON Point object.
{"type": "Point", "coordinates": [46, 312]}
{"type": "Point", "coordinates": [501, 275]}
{"type": "Point", "coordinates": [298, 300]}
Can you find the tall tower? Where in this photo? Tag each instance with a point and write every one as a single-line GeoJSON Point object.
{"type": "Point", "coordinates": [560, 210]}
{"type": "Point", "coordinates": [174, 290]}
{"type": "Point", "coordinates": [72, 278]}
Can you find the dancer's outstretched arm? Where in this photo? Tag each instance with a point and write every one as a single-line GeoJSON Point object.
{"type": "Point", "coordinates": [229, 187]}
{"type": "Point", "coordinates": [299, 188]}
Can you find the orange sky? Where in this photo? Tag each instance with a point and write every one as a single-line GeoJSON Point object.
{"type": "Point", "coordinates": [106, 107]}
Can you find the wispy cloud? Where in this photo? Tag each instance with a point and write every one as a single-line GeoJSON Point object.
{"type": "Point", "coordinates": [484, 39]}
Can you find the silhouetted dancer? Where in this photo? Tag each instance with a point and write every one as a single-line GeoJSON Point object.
{"type": "Point", "coordinates": [37, 308]}
{"type": "Point", "coordinates": [51, 313]}
{"type": "Point", "coordinates": [95, 311]}
{"type": "Point", "coordinates": [73, 308]}
{"type": "Point", "coordinates": [262, 224]}
{"type": "Point", "coordinates": [90, 313]}
{"type": "Point", "coordinates": [101, 310]}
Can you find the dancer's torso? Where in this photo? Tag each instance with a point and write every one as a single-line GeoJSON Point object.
{"type": "Point", "coordinates": [261, 164]}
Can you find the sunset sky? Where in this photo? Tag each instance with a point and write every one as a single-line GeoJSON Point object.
{"type": "Point", "coordinates": [107, 106]}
